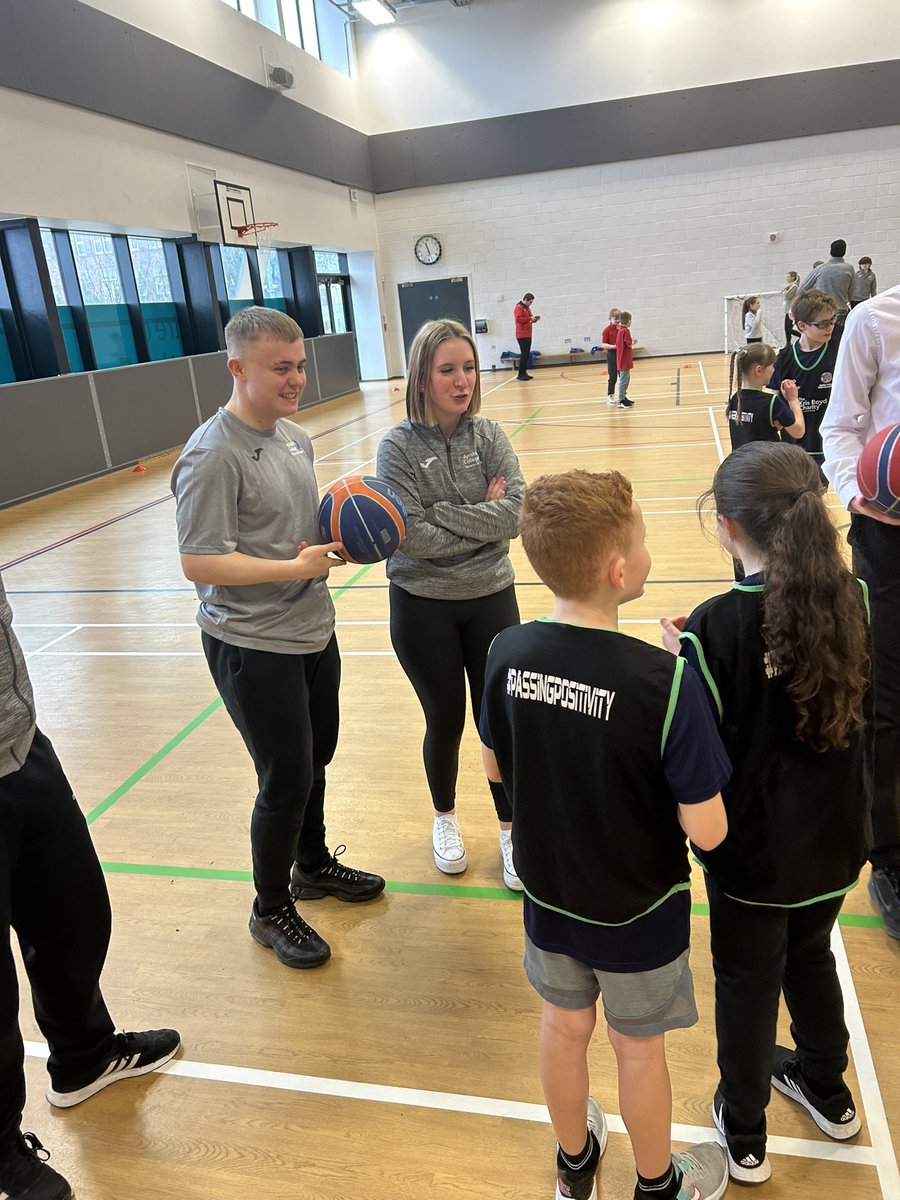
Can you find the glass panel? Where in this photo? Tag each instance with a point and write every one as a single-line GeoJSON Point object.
{"type": "Point", "coordinates": [308, 25]}
{"type": "Point", "coordinates": [326, 310]}
{"type": "Point", "coordinates": [328, 262]}
{"type": "Point", "coordinates": [70, 337]}
{"type": "Point", "coordinates": [267, 14]}
{"type": "Point", "coordinates": [232, 3]}
{"type": "Point", "coordinates": [98, 271]}
{"type": "Point", "coordinates": [59, 292]}
{"type": "Point", "coordinates": [163, 334]}
{"type": "Point", "coordinates": [290, 19]}
{"type": "Point", "coordinates": [248, 8]}
{"type": "Point", "coordinates": [270, 271]}
{"type": "Point", "coordinates": [111, 335]}
{"type": "Point", "coordinates": [7, 374]}
{"type": "Point", "coordinates": [337, 304]}
{"type": "Point", "coordinates": [238, 283]}
{"type": "Point", "coordinates": [150, 271]}
{"type": "Point", "coordinates": [332, 26]}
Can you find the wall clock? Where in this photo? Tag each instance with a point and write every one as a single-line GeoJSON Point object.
{"type": "Point", "coordinates": [428, 249]}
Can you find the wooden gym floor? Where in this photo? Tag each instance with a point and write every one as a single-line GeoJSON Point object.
{"type": "Point", "coordinates": [407, 1066]}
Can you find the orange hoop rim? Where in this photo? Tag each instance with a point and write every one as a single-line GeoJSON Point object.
{"type": "Point", "coordinates": [254, 227]}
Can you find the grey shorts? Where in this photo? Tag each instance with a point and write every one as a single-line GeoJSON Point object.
{"type": "Point", "coordinates": [642, 1004]}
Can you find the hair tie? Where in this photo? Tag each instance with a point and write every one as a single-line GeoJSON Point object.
{"type": "Point", "coordinates": [795, 496]}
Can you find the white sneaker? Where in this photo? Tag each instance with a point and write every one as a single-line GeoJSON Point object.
{"type": "Point", "coordinates": [510, 878]}
{"type": "Point", "coordinates": [611, 401]}
{"type": "Point", "coordinates": [447, 843]}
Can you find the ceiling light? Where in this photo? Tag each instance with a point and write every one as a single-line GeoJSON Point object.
{"type": "Point", "coordinates": [378, 12]}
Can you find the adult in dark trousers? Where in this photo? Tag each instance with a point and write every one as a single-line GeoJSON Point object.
{"type": "Point", "coordinates": [789, 293]}
{"type": "Point", "coordinates": [834, 277]}
{"type": "Point", "coordinates": [865, 285]}
{"type": "Point", "coordinates": [53, 894]}
{"type": "Point", "coordinates": [247, 515]}
{"type": "Point", "coordinates": [525, 319]}
{"type": "Point", "coordinates": [865, 398]}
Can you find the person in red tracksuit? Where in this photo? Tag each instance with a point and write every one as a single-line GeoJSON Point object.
{"type": "Point", "coordinates": [524, 321]}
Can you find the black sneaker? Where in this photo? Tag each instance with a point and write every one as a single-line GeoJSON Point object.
{"type": "Point", "coordinates": [524, 378]}
{"type": "Point", "coordinates": [747, 1162]}
{"type": "Point", "coordinates": [837, 1117]}
{"type": "Point", "coordinates": [335, 879]}
{"type": "Point", "coordinates": [135, 1054]}
{"type": "Point", "coordinates": [295, 943]}
{"type": "Point", "coordinates": [24, 1174]}
{"type": "Point", "coordinates": [582, 1185]}
{"type": "Point", "coordinates": [884, 888]}
{"type": "Point", "coordinates": [626, 403]}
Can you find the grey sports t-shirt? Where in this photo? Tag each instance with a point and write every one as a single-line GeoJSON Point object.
{"type": "Point", "coordinates": [237, 488]}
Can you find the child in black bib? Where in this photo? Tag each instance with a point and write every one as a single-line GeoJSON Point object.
{"type": "Point", "coordinates": [791, 692]}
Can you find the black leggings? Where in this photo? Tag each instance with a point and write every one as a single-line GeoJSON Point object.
{"type": "Point", "coordinates": [439, 643]}
{"type": "Point", "coordinates": [524, 355]}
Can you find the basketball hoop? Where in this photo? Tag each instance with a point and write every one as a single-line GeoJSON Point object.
{"type": "Point", "coordinates": [258, 233]}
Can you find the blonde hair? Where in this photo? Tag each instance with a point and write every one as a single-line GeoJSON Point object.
{"type": "Point", "coordinates": [256, 324]}
{"type": "Point", "coordinates": [571, 523]}
{"type": "Point", "coordinates": [421, 356]}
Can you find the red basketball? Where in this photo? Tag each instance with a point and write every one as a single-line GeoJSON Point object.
{"type": "Point", "coordinates": [878, 470]}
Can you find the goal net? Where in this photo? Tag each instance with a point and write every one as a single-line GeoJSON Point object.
{"type": "Point", "coordinates": [771, 327]}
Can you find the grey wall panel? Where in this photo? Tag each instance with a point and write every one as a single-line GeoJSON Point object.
{"type": "Point", "coordinates": [146, 408]}
{"type": "Point", "coordinates": [130, 74]}
{"type": "Point", "coordinates": [49, 435]}
{"type": "Point", "coordinates": [335, 358]}
{"type": "Point", "coordinates": [755, 110]}
{"type": "Point", "coordinates": [213, 381]}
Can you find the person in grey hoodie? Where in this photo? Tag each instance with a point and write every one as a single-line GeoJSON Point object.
{"type": "Point", "coordinates": [834, 277]}
{"type": "Point", "coordinates": [53, 894]}
{"type": "Point", "coordinates": [451, 581]}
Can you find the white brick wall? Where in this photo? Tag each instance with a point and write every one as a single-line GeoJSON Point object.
{"type": "Point", "coordinates": [666, 238]}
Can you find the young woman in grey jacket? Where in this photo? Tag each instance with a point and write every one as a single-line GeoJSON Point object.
{"type": "Point", "coordinates": [451, 581]}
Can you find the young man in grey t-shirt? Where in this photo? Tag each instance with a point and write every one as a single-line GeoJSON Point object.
{"type": "Point", "coordinates": [247, 506]}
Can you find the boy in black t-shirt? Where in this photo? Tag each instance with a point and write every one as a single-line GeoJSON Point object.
{"type": "Point", "coordinates": [810, 363]}
{"type": "Point", "coordinates": [609, 754]}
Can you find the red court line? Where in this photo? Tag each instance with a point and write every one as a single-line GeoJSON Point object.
{"type": "Point", "coordinates": [73, 537]}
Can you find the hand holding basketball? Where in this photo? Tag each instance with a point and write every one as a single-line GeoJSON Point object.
{"type": "Point", "coordinates": [878, 477]}
{"type": "Point", "coordinates": [858, 505]}
{"type": "Point", "coordinates": [313, 561]}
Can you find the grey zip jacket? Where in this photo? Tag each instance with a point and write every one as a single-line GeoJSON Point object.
{"type": "Point", "coordinates": [16, 696]}
{"type": "Point", "coordinates": [457, 544]}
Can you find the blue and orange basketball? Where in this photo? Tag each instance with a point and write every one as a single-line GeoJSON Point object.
{"type": "Point", "coordinates": [365, 515]}
{"type": "Point", "coordinates": [878, 470]}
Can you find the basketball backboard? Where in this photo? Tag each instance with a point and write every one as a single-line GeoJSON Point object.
{"type": "Point", "coordinates": [235, 212]}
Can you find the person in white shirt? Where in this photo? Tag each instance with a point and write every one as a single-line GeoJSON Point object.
{"type": "Point", "coordinates": [865, 398]}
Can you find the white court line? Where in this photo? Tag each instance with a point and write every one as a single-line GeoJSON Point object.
{"type": "Point", "coordinates": [616, 449]}
{"type": "Point", "coordinates": [600, 403]}
{"type": "Point", "coordinates": [340, 449]}
{"type": "Point", "coordinates": [869, 1090]}
{"type": "Point", "coordinates": [144, 624]}
{"type": "Point", "coordinates": [703, 377]}
{"type": "Point", "coordinates": [484, 1106]}
{"type": "Point", "coordinates": [715, 429]}
{"type": "Point", "coordinates": [498, 387]}
{"type": "Point", "coordinates": [52, 642]}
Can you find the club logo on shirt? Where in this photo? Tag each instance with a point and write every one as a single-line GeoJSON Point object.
{"type": "Point", "coordinates": [256, 453]}
{"type": "Point", "coordinates": [428, 461]}
{"type": "Point", "coordinates": [556, 691]}
{"type": "Point", "coordinates": [826, 379]}
{"type": "Point", "coordinates": [471, 459]}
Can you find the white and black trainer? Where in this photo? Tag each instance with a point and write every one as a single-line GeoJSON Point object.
{"type": "Point", "coordinates": [837, 1117]}
{"type": "Point", "coordinates": [747, 1161]}
{"type": "Point", "coordinates": [134, 1054]}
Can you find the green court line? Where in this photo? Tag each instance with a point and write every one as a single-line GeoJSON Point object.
{"type": "Point", "coordinates": [406, 889]}
{"type": "Point", "coordinates": [139, 774]}
{"type": "Point", "coordinates": [524, 423]}
{"type": "Point", "coordinates": [350, 582]}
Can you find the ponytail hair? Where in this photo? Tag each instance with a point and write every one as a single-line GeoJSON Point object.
{"type": "Point", "coordinates": [748, 300]}
{"type": "Point", "coordinates": [814, 626]}
{"type": "Point", "coordinates": [742, 362]}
